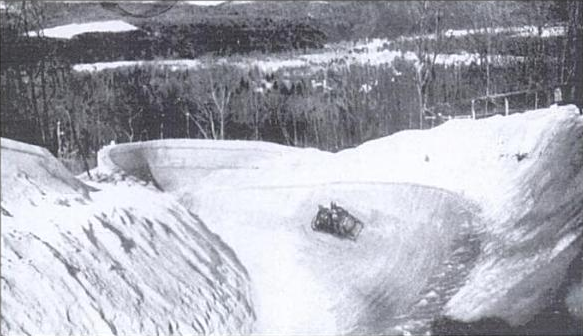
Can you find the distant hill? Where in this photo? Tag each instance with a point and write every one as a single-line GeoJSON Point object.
{"type": "Point", "coordinates": [339, 20]}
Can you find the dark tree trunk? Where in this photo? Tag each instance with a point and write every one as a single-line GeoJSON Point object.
{"type": "Point", "coordinates": [34, 103]}
{"type": "Point", "coordinates": [576, 23]}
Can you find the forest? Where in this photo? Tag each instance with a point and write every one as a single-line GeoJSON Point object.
{"type": "Point", "coordinates": [73, 114]}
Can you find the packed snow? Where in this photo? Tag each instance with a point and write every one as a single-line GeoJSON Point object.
{"type": "Point", "coordinates": [112, 257]}
{"type": "Point", "coordinates": [471, 219]}
{"type": "Point", "coordinates": [523, 172]}
{"type": "Point", "coordinates": [74, 29]}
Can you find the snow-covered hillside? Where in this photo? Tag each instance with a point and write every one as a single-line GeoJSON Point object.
{"type": "Point", "coordinates": [74, 29]}
{"type": "Point", "coordinates": [523, 173]}
{"type": "Point", "coordinates": [472, 219]}
{"type": "Point", "coordinates": [375, 52]}
{"type": "Point", "coordinates": [372, 53]}
{"type": "Point", "coordinates": [116, 257]}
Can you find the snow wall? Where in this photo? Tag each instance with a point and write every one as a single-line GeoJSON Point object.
{"type": "Point", "coordinates": [516, 182]}
{"type": "Point", "coordinates": [109, 259]}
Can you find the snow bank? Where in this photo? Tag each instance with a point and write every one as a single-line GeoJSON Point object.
{"type": "Point", "coordinates": [73, 29]}
{"type": "Point", "coordinates": [24, 165]}
{"type": "Point", "coordinates": [165, 161]}
{"type": "Point", "coordinates": [524, 172]}
{"type": "Point", "coordinates": [114, 258]}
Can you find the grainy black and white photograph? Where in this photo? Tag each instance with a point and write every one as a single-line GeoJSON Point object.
{"type": "Point", "coordinates": [291, 167]}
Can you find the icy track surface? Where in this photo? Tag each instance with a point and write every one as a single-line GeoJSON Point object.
{"type": "Point", "coordinates": [469, 220]}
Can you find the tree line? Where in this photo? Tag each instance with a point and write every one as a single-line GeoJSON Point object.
{"type": "Point", "coordinates": [167, 41]}
{"type": "Point", "coordinates": [356, 103]}
{"type": "Point", "coordinates": [44, 102]}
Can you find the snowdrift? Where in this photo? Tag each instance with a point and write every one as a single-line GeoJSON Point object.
{"type": "Point", "coordinates": [515, 183]}
{"type": "Point", "coordinates": [113, 258]}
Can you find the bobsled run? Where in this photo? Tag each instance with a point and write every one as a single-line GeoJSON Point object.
{"type": "Point", "coordinates": [472, 221]}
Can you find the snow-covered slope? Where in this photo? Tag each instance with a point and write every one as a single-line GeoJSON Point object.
{"type": "Point", "coordinates": [516, 183]}
{"type": "Point", "coordinates": [526, 173]}
{"type": "Point", "coordinates": [74, 29]}
{"type": "Point", "coordinates": [24, 166]}
{"type": "Point", "coordinates": [117, 257]}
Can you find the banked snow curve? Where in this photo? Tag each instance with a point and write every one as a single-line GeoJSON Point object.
{"type": "Point", "coordinates": [334, 286]}
{"type": "Point", "coordinates": [523, 171]}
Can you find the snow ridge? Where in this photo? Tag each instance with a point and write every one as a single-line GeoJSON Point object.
{"type": "Point", "coordinates": [121, 259]}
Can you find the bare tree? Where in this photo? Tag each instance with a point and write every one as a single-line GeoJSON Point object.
{"type": "Point", "coordinates": [131, 117]}
{"type": "Point", "coordinates": [24, 25]}
{"type": "Point", "coordinates": [221, 95]}
{"type": "Point", "coordinates": [573, 71]}
{"type": "Point", "coordinates": [211, 97]}
{"type": "Point", "coordinates": [197, 120]}
{"type": "Point", "coordinates": [428, 42]}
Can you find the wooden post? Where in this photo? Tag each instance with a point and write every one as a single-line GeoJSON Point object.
{"type": "Point", "coordinates": [536, 100]}
{"type": "Point", "coordinates": [558, 96]}
{"type": "Point", "coordinates": [506, 107]}
{"type": "Point", "coordinates": [473, 110]}
{"type": "Point", "coordinates": [59, 138]}
{"type": "Point", "coordinates": [188, 125]}
{"type": "Point", "coordinates": [162, 127]}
